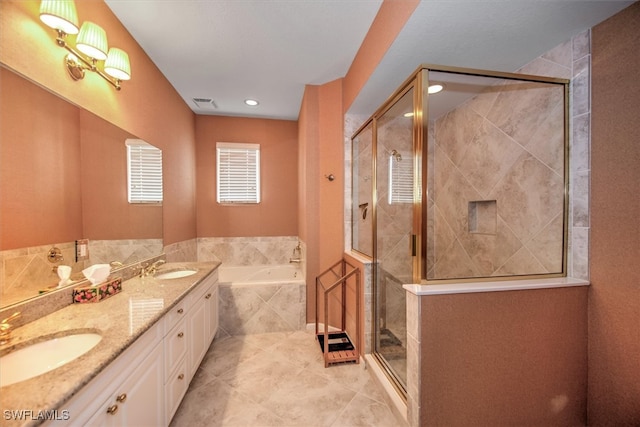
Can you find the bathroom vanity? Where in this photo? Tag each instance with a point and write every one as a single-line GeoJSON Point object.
{"type": "Point", "coordinates": [155, 334]}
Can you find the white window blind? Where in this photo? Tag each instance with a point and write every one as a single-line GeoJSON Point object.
{"type": "Point", "coordinates": [238, 172]}
{"type": "Point", "coordinates": [400, 180]}
{"type": "Point", "coordinates": [144, 172]}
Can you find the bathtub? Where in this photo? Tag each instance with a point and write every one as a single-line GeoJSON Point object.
{"type": "Point", "coordinates": [261, 299]}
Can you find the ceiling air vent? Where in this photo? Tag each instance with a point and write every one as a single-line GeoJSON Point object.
{"type": "Point", "coordinates": [205, 103]}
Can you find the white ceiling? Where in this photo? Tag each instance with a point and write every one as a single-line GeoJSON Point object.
{"type": "Point", "coordinates": [231, 50]}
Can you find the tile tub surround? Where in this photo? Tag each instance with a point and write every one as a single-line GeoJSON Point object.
{"type": "Point", "coordinates": [235, 251]}
{"type": "Point", "coordinates": [113, 318]}
{"type": "Point", "coordinates": [262, 307]}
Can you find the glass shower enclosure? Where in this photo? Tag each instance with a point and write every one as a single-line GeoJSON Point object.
{"type": "Point", "coordinates": [460, 176]}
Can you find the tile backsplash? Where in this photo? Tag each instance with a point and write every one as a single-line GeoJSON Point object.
{"type": "Point", "coordinates": [26, 271]}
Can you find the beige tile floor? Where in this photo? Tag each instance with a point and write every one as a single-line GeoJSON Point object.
{"type": "Point", "coordinates": [279, 379]}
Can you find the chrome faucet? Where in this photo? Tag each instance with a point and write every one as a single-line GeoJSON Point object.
{"type": "Point", "coordinates": [149, 270]}
{"type": "Point", "coordinates": [297, 254]}
{"type": "Point", "coordinates": [6, 328]}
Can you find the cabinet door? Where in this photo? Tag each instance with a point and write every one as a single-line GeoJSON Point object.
{"type": "Point", "coordinates": [175, 347]}
{"type": "Point", "coordinates": [139, 401]}
{"type": "Point", "coordinates": [175, 389]}
{"type": "Point", "coordinates": [197, 334]}
{"type": "Point", "coordinates": [212, 301]}
{"type": "Point", "coordinates": [144, 403]}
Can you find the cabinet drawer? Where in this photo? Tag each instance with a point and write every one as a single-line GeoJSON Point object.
{"type": "Point", "coordinates": [175, 347]}
{"type": "Point", "coordinates": [175, 389]}
{"type": "Point", "coordinates": [177, 313]}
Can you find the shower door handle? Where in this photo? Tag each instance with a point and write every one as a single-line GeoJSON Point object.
{"type": "Point", "coordinates": [414, 244]}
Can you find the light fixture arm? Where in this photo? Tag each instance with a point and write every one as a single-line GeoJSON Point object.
{"type": "Point", "coordinates": [76, 62]}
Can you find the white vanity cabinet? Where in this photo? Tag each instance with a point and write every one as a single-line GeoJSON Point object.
{"type": "Point", "coordinates": [128, 391]}
{"type": "Point", "coordinates": [145, 384]}
{"type": "Point", "coordinates": [176, 344]}
{"type": "Point", "coordinates": [203, 320]}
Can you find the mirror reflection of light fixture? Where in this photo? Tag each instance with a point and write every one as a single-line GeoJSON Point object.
{"type": "Point", "coordinates": [91, 44]}
{"type": "Point", "coordinates": [435, 88]}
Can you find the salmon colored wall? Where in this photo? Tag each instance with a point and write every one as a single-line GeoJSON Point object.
{"type": "Point", "coordinates": [106, 212]}
{"type": "Point", "coordinates": [504, 358]}
{"type": "Point", "coordinates": [321, 136]}
{"type": "Point", "coordinates": [391, 17]}
{"type": "Point", "coordinates": [40, 200]}
{"type": "Point", "coordinates": [277, 213]}
{"type": "Point", "coordinates": [614, 298]}
{"type": "Point", "coordinates": [147, 106]}
{"type": "Point", "coordinates": [331, 156]}
{"type": "Point", "coordinates": [309, 189]}
{"type": "Point", "coordinates": [323, 206]}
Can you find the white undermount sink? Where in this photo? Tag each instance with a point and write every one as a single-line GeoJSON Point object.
{"type": "Point", "coordinates": [44, 356]}
{"type": "Point", "coordinates": [174, 274]}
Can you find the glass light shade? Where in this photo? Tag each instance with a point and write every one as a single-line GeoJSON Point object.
{"type": "Point", "coordinates": [92, 41]}
{"type": "Point", "coordinates": [60, 15]}
{"type": "Point", "coordinates": [117, 64]}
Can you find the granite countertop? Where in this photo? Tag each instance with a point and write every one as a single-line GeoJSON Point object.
{"type": "Point", "coordinates": [120, 320]}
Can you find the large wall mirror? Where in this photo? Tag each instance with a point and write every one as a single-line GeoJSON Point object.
{"type": "Point", "coordinates": [63, 177]}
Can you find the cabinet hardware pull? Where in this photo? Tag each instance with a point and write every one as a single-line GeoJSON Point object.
{"type": "Point", "coordinates": [122, 398]}
{"type": "Point", "coordinates": [208, 296]}
{"type": "Point", "coordinates": [112, 409]}
{"type": "Point", "coordinates": [180, 310]}
{"type": "Point", "coordinates": [181, 334]}
{"type": "Point", "coordinates": [181, 376]}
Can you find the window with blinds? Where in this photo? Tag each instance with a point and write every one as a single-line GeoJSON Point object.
{"type": "Point", "coordinates": [238, 172]}
{"type": "Point", "coordinates": [400, 180]}
{"type": "Point", "coordinates": [144, 172]}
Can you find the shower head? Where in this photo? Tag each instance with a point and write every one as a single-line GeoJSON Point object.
{"type": "Point", "coordinates": [396, 155]}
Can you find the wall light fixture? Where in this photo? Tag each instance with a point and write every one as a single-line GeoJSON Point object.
{"type": "Point", "coordinates": [91, 44]}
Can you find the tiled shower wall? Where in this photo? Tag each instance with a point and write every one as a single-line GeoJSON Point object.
{"type": "Point", "coordinates": [497, 184]}
{"type": "Point", "coordinates": [572, 60]}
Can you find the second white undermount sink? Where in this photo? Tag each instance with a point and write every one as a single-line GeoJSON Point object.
{"type": "Point", "coordinates": [174, 274]}
{"type": "Point", "coordinates": [44, 356]}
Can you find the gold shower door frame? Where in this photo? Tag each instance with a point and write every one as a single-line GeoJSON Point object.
{"type": "Point", "coordinates": [419, 83]}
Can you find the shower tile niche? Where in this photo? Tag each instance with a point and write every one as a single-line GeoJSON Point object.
{"type": "Point", "coordinates": [483, 217]}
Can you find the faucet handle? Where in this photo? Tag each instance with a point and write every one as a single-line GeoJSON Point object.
{"type": "Point", "coordinates": [5, 328]}
{"type": "Point", "coordinates": [10, 318]}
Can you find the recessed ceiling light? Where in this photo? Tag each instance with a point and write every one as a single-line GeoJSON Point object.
{"type": "Point", "coordinates": [435, 88]}
{"type": "Point", "coordinates": [409, 114]}
{"type": "Point", "coordinates": [251, 102]}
